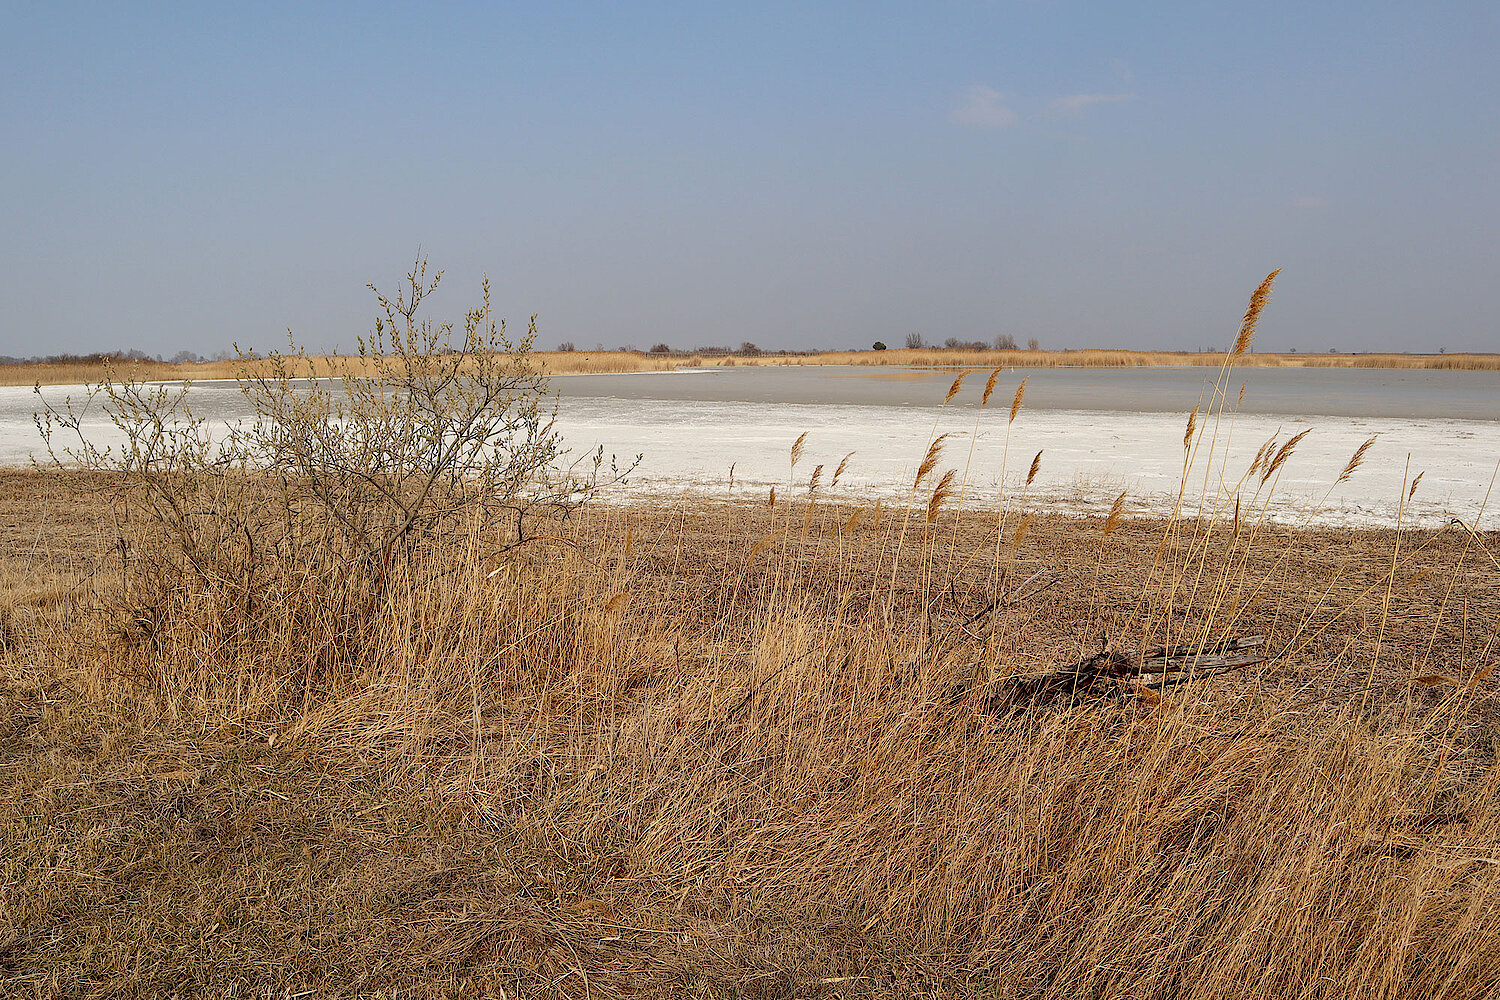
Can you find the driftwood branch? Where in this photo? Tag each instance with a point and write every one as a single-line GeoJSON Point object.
{"type": "Point", "coordinates": [1110, 671]}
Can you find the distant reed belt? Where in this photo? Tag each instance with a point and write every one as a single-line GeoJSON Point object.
{"type": "Point", "coordinates": [616, 362]}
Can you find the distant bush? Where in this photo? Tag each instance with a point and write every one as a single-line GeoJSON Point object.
{"type": "Point", "coordinates": [879, 345]}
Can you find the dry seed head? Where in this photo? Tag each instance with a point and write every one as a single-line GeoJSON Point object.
{"type": "Point", "coordinates": [853, 520]}
{"type": "Point", "coordinates": [1036, 464]}
{"type": "Point", "coordinates": [1116, 512]}
{"type": "Point", "coordinates": [1284, 453]}
{"type": "Point", "coordinates": [953, 389]}
{"type": "Point", "coordinates": [1260, 455]}
{"type": "Point", "coordinates": [1241, 401]}
{"type": "Point", "coordinates": [771, 501]}
{"type": "Point", "coordinates": [762, 545]}
{"type": "Point", "coordinates": [939, 494]}
{"type": "Point", "coordinates": [1413, 491]}
{"type": "Point", "coordinates": [1015, 404]}
{"type": "Point", "coordinates": [843, 464]}
{"type": "Point", "coordinates": [989, 387]}
{"type": "Point", "coordinates": [1022, 527]}
{"type": "Point", "coordinates": [1252, 314]}
{"type": "Point", "coordinates": [1192, 425]}
{"type": "Point", "coordinates": [797, 448]}
{"type": "Point", "coordinates": [1356, 460]}
{"type": "Point", "coordinates": [812, 484]}
{"type": "Point", "coordinates": [934, 452]}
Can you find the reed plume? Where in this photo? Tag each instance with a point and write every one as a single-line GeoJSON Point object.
{"type": "Point", "coordinates": [940, 493]}
{"type": "Point", "coordinates": [953, 389]}
{"type": "Point", "coordinates": [812, 484]}
{"type": "Point", "coordinates": [1015, 404]}
{"type": "Point", "coordinates": [1116, 512]}
{"type": "Point", "coordinates": [771, 500]}
{"type": "Point", "coordinates": [1357, 459]}
{"type": "Point", "coordinates": [762, 545]}
{"type": "Point", "coordinates": [843, 464]}
{"type": "Point", "coordinates": [934, 452]}
{"type": "Point", "coordinates": [1413, 491]}
{"type": "Point", "coordinates": [1261, 455]}
{"type": "Point", "coordinates": [797, 448]}
{"type": "Point", "coordinates": [1036, 464]}
{"type": "Point", "coordinates": [1022, 527]}
{"type": "Point", "coordinates": [989, 387]}
{"type": "Point", "coordinates": [1192, 425]}
{"type": "Point", "coordinates": [1282, 454]}
{"type": "Point", "coordinates": [1258, 303]}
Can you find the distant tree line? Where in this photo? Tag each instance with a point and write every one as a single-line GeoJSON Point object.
{"type": "Point", "coordinates": [1002, 342]}
{"type": "Point", "coordinates": [101, 357]}
{"type": "Point", "coordinates": [914, 341]}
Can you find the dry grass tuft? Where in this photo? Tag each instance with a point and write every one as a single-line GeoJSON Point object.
{"type": "Point", "coordinates": [640, 758]}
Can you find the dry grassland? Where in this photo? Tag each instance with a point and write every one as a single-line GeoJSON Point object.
{"type": "Point", "coordinates": [739, 750]}
{"type": "Point", "coordinates": [616, 362]}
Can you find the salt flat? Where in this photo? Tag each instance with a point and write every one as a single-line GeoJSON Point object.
{"type": "Point", "coordinates": [1100, 432]}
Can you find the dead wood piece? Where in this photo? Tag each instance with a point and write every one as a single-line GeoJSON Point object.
{"type": "Point", "coordinates": [1110, 672]}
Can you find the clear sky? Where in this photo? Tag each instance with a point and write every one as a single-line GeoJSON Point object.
{"type": "Point", "coordinates": [797, 175]}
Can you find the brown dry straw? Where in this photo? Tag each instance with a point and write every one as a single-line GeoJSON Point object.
{"type": "Point", "coordinates": [934, 451]}
{"type": "Point", "coordinates": [989, 387]}
{"type": "Point", "coordinates": [1015, 404]}
{"type": "Point", "coordinates": [1258, 303]}
{"type": "Point", "coordinates": [1036, 464]}
{"type": "Point", "coordinates": [1413, 491]}
{"type": "Point", "coordinates": [940, 493]}
{"type": "Point", "coordinates": [1357, 459]}
{"type": "Point", "coordinates": [1192, 425]}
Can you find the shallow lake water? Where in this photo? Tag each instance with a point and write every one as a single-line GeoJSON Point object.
{"type": "Point", "coordinates": [724, 432]}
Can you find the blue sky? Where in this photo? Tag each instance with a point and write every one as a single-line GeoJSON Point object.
{"type": "Point", "coordinates": [797, 175]}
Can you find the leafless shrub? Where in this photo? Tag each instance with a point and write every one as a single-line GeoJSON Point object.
{"type": "Point", "coordinates": [288, 525]}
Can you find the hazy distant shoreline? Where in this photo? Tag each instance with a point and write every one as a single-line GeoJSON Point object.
{"type": "Point", "coordinates": [92, 368]}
